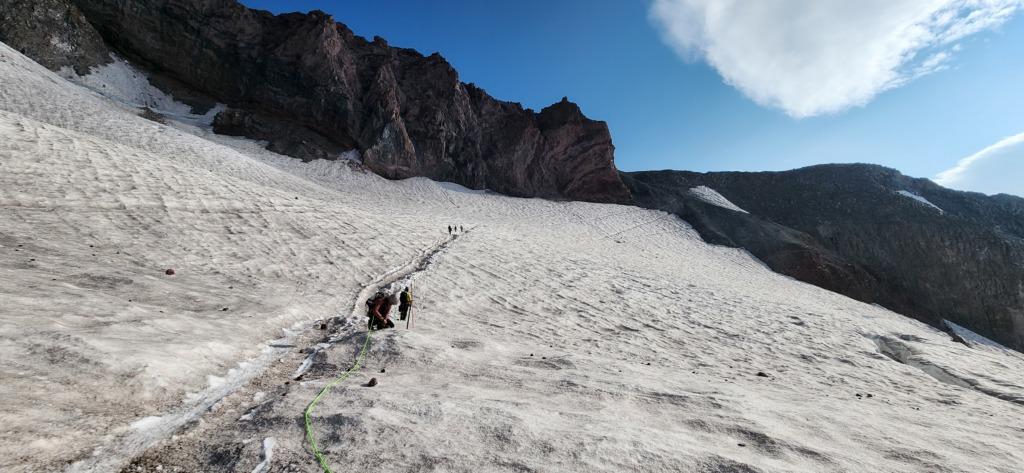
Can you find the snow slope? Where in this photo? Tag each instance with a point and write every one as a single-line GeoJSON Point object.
{"type": "Point", "coordinates": [548, 337]}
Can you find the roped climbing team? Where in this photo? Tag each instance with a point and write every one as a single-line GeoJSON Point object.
{"type": "Point", "coordinates": [378, 308]}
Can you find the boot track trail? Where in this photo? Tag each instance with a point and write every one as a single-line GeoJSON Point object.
{"type": "Point", "coordinates": [176, 437]}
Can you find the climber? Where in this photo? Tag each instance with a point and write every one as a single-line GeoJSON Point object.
{"type": "Point", "coordinates": [405, 303]}
{"type": "Point", "coordinates": [378, 308]}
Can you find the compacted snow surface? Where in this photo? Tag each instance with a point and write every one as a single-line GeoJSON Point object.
{"type": "Point", "coordinates": [549, 336]}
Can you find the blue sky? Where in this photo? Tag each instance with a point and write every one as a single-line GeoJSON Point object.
{"type": "Point", "coordinates": [657, 72]}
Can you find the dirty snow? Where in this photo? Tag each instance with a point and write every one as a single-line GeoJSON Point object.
{"type": "Point", "coordinates": [551, 336]}
{"type": "Point", "coordinates": [922, 200]}
{"type": "Point", "coordinates": [712, 197]}
{"type": "Point", "coordinates": [268, 455]}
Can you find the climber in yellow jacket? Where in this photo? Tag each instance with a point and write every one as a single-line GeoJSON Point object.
{"type": "Point", "coordinates": [404, 303]}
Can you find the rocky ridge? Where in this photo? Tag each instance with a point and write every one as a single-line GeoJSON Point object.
{"type": "Point", "coordinates": [870, 233]}
{"type": "Point", "coordinates": [313, 89]}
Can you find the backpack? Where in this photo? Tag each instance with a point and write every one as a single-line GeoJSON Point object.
{"type": "Point", "coordinates": [371, 301]}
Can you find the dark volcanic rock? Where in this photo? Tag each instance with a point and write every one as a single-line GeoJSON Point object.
{"type": "Point", "coordinates": [845, 228]}
{"type": "Point", "coordinates": [284, 137]}
{"type": "Point", "coordinates": [149, 114]}
{"type": "Point", "coordinates": [312, 88]}
{"type": "Point", "coordinates": [52, 32]}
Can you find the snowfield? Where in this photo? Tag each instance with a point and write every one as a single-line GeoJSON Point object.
{"type": "Point", "coordinates": [549, 336]}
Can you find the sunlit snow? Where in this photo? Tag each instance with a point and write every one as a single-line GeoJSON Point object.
{"type": "Point", "coordinates": [550, 336]}
{"type": "Point", "coordinates": [922, 200]}
{"type": "Point", "coordinates": [712, 197]}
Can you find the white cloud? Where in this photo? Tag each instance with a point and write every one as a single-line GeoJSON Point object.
{"type": "Point", "coordinates": [812, 57]}
{"type": "Point", "coordinates": [996, 169]}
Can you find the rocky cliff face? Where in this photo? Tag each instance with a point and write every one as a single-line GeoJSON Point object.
{"type": "Point", "coordinates": [312, 88]}
{"type": "Point", "coordinates": [53, 32]}
{"type": "Point", "coordinates": [848, 228]}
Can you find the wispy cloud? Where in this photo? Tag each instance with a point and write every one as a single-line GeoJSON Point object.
{"type": "Point", "coordinates": [813, 57]}
{"type": "Point", "coordinates": [996, 169]}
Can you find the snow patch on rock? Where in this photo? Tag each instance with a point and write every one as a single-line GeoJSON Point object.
{"type": "Point", "coordinates": [352, 155]}
{"type": "Point", "coordinates": [124, 84]}
{"type": "Point", "coordinates": [972, 339]}
{"type": "Point", "coordinates": [712, 197]}
{"type": "Point", "coordinates": [918, 198]}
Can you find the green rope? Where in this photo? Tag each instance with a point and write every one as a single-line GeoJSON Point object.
{"type": "Point", "coordinates": [309, 410]}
